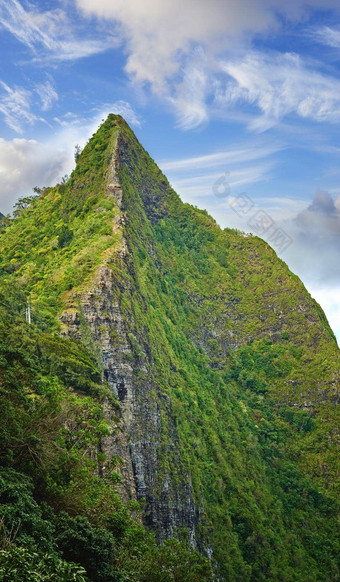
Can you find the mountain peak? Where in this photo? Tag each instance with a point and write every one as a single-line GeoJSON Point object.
{"type": "Point", "coordinates": [223, 370]}
{"type": "Point", "coordinates": [114, 151]}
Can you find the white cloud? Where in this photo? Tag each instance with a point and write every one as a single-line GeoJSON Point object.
{"type": "Point", "coordinates": [186, 51]}
{"type": "Point", "coordinates": [28, 163]}
{"type": "Point", "coordinates": [322, 216]}
{"type": "Point", "coordinates": [50, 34]}
{"type": "Point", "coordinates": [155, 32]}
{"type": "Point", "coordinates": [327, 36]}
{"type": "Point", "coordinates": [328, 297]}
{"type": "Point", "coordinates": [47, 94]}
{"type": "Point", "coordinates": [18, 106]}
{"type": "Point", "coordinates": [176, 47]}
{"type": "Point", "coordinates": [25, 164]}
{"type": "Point", "coordinates": [279, 85]}
{"type": "Point", "coordinates": [205, 185]}
{"type": "Point", "coordinates": [224, 158]}
{"type": "Point", "coordinates": [122, 108]}
{"type": "Point", "coordinates": [15, 105]}
{"type": "Point", "coordinates": [189, 97]}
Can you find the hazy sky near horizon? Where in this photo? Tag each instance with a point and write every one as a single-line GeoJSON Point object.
{"type": "Point", "coordinates": [237, 100]}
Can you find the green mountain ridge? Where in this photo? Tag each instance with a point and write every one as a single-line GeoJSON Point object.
{"type": "Point", "coordinates": [181, 366]}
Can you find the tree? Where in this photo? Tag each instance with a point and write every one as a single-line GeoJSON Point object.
{"type": "Point", "coordinates": [77, 152]}
{"type": "Point", "coordinates": [17, 563]}
{"type": "Point", "coordinates": [23, 203]}
{"type": "Point", "coordinates": [175, 561]}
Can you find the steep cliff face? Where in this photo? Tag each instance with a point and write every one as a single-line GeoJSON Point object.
{"type": "Point", "coordinates": [138, 440]}
{"type": "Point", "coordinates": [226, 370]}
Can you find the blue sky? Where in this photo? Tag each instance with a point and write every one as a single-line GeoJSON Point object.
{"type": "Point", "coordinates": [237, 100]}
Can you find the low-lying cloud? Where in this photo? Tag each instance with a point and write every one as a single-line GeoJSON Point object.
{"type": "Point", "coordinates": [315, 252]}
{"type": "Point", "coordinates": [322, 217]}
{"type": "Point", "coordinates": [25, 164]}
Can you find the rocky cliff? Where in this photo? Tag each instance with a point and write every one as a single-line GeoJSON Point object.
{"type": "Point", "coordinates": [139, 439]}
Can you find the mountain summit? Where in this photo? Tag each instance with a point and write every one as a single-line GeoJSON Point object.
{"type": "Point", "coordinates": [224, 371]}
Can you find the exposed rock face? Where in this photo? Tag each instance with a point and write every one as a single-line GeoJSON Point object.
{"type": "Point", "coordinates": [136, 437]}
{"type": "Point", "coordinates": [100, 315]}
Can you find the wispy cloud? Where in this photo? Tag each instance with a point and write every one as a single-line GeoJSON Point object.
{"type": "Point", "coordinates": [20, 107]}
{"type": "Point", "coordinates": [98, 114]}
{"type": "Point", "coordinates": [326, 35]}
{"type": "Point", "coordinates": [189, 96]}
{"type": "Point", "coordinates": [202, 185]}
{"type": "Point", "coordinates": [234, 156]}
{"type": "Point", "coordinates": [122, 108]}
{"type": "Point", "coordinates": [15, 105]}
{"type": "Point", "coordinates": [195, 69]}
{"type": "Point", "coordinates": [49, 34]}
{"type": "Point", "coordinates": [279, 85]}
{"type": "Point", "coordinates": [188, 71]}
{"type": "Point", "coordinates": [155, 52]}
{"type": "Point", "coordinates": [47, 94]}
{"type": "Point", "coordinates": [196, 177]}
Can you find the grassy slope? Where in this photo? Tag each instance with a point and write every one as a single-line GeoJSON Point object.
{"type": "Point", "coordinates": [245, 354]}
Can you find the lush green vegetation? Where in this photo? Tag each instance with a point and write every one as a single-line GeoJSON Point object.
{"type": "Point", "coordinates": [59, 520]}
{"type": "Point", "coordinates": [61, 235]}
{"type": "Point", "coordinates": [266, 463]}
{"type": "Point", "coordinates": [223, 329]}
